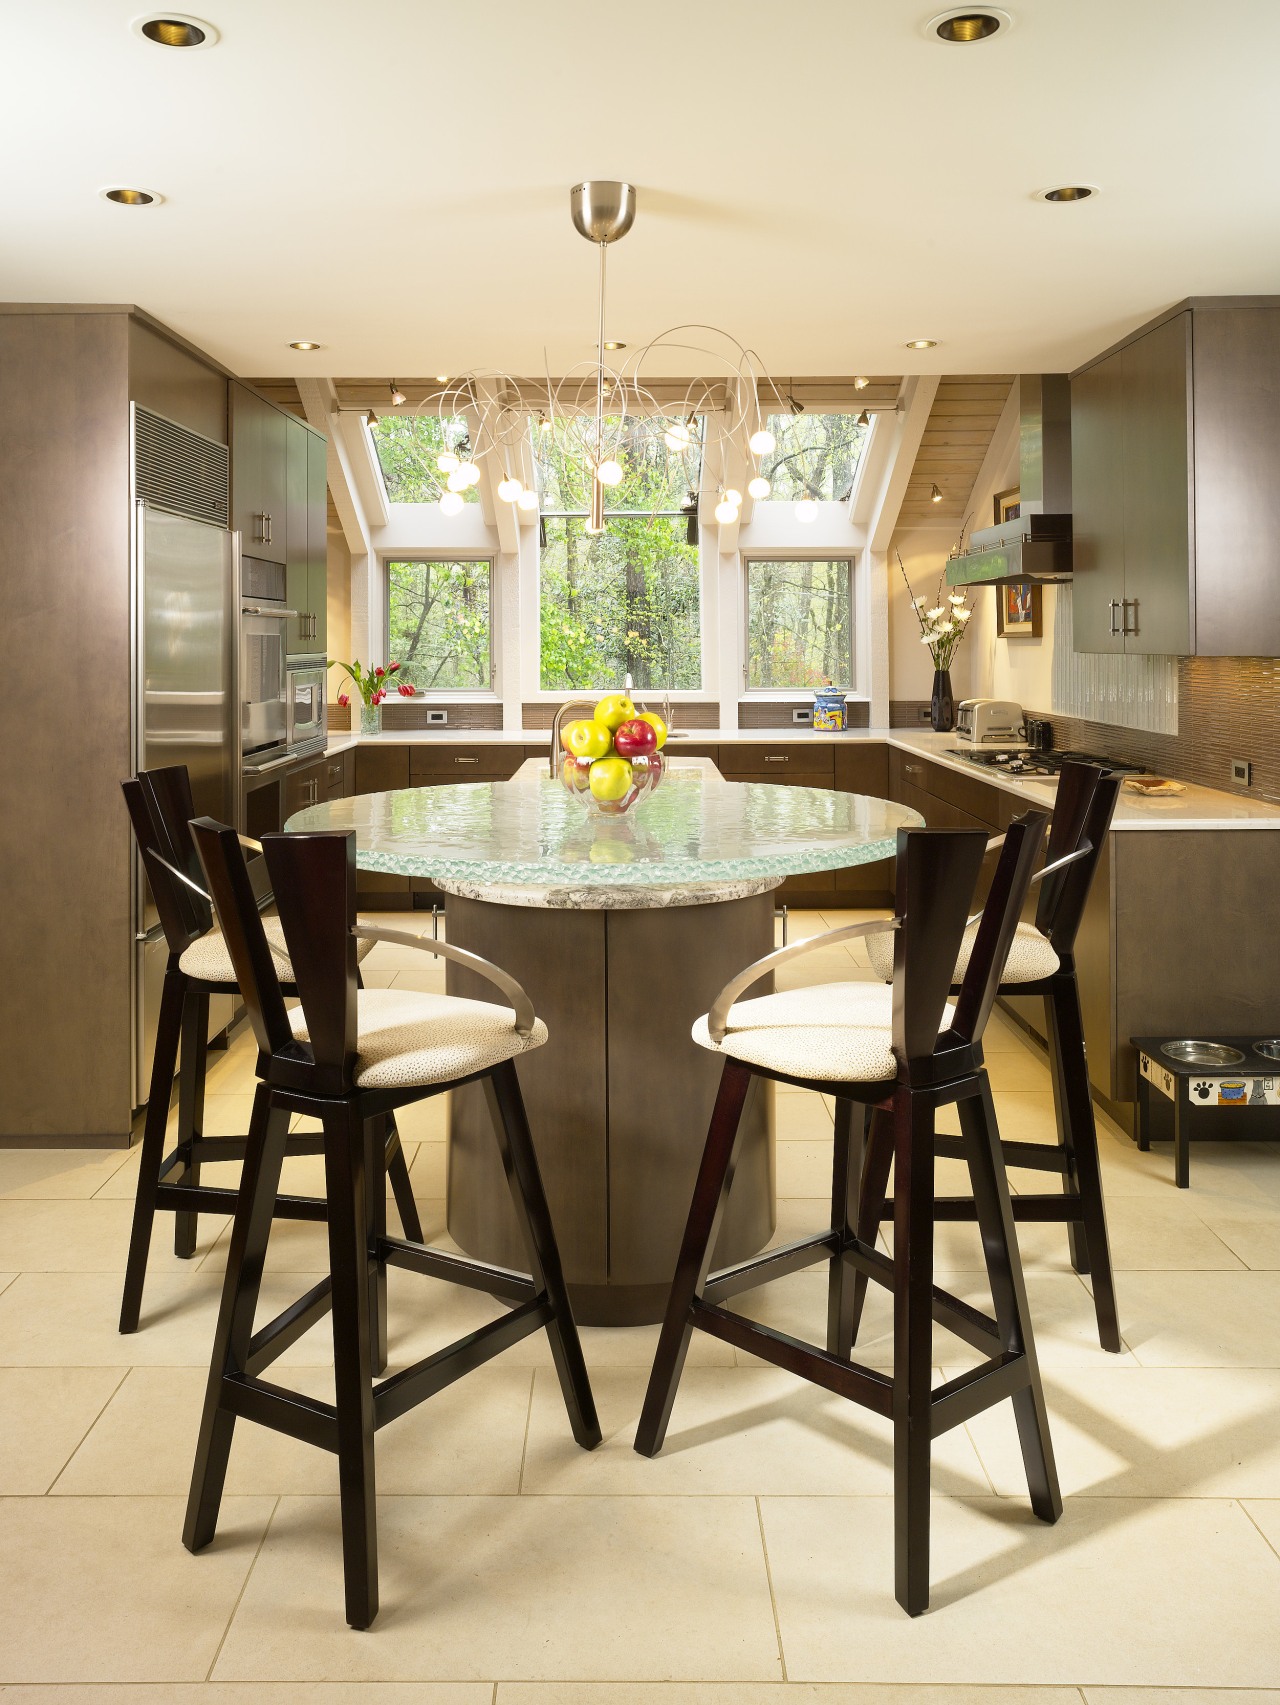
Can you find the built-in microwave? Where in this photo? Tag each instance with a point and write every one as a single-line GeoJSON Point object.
{"type": "Point", "coordinates": [304, 705]}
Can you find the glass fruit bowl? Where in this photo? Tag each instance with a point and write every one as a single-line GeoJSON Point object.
{"type": "Point", "coordinates": [612, 758]}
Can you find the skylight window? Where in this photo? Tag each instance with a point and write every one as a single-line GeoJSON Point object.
{"type": "Point", "coordinates": [656, 479]}
{"type": "Point", "coordinates": [407, 446]}
{"type": "Point", "coordinates": [817, 455]}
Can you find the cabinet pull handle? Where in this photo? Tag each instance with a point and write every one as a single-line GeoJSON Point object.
{"type": "Point", "coordinates": [776, 758]}
{"type": "Point", "coordinates": [1125, 628]}
{"type": "Point", "coordinates": [1113, 605]}
{"type": "Point", "coordinates": [266, 529]}
{"type": "Point", "coordinates": [466, 760]}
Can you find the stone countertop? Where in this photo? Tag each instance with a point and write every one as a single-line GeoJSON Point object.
{"type": "Point", "coordinates": [1197, 808]}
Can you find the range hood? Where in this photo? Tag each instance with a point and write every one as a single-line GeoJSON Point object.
{"type": "Point", "coordinates": [1037, 546]}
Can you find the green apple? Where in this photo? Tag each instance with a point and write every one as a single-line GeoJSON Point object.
{"type": "Point", "coordinates": [615, 709]}
{"type": "Point", "coordinates": [565, 732]}
{"type": "Point", "coordinates": [590, 740]}
{"type": "Point", "coordinates": [610, 778]}
{"type": "Point", "coordinates": [656, 723]}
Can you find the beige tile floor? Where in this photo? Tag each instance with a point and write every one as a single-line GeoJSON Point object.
{"type": "Point", "coordinates": [750, 1564]}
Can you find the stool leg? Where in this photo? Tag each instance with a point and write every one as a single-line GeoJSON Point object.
{"type": "Point", "coordinates": [195, 1028]}
{"type": "Point", "coordinates": [524, 1180]}
{"type": "Point", "coordinates": [375, 1163]}
{"type": "Point", "coordinates": [351, 1266]}
{"type": "Point", "coordinates": [873, 1193]}
{"type": "Point", "coordinates": [250, 1229]}
{"type": "Point", "coordinates": [398, 1172]}
{"type": "Point", "coordinates": [715, 1175]}
{"type": "Point", "coordinates": [163, 1064]}
{"type": "Point", "coordinates": [1076, 1124]}
{"type": "Point", "coordinates": [913, 1123]}
{"type": "Point", "coordinates": [1061, 1069]}
{"type": "Point", "coordinates": [1009, 1294]}
{"type": "Point", "coordinates": [845, 1179]}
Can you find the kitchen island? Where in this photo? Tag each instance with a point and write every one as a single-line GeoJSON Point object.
{"type": "Point", "coordinates": [622, 930]}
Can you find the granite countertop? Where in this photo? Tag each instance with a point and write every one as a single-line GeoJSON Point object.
{"type": "Point", "coordinates": [1197, 808]}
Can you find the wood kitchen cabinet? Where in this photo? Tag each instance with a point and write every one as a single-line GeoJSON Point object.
{"type": "Point", "coordinates": [380, 769]}
{"type": "Point", "coordinates": [306, 568]}
{"type": "Point", "coordinates": [792, 763]}
{"type": "Point", "coordinates": [863, 767]}
{"type": "Point", "coordinates": [317, 605]}
{"type": "Point", "coordinates": [259, 477]}
{"type": "Point", "coordinates": [304, 786]}
{"type": "Point", "coordinates": [1175, 436]}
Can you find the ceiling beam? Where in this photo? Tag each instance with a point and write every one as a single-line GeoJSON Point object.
{"type": "Point", "coordinates": [320, 408]}
{"type": "Point", "coordinates": [916, 399]}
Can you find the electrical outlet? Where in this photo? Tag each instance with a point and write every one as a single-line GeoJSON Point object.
{"type": "Point", "coordinates": [801, 715]}
{"type": "Point", "coordinates": [924, 713]}
{"type": "Point", "coordinates": [1241, 771]}
{"type": "Point", "coordinates": [437, 718]}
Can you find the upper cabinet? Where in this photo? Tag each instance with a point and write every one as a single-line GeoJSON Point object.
{"type": "Point", "coordinates": [278, 503]}
{"type": "Point", "coordinates": [1175, 437]}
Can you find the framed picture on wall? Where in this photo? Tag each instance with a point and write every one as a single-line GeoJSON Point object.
{"type": "Point", "coordinates": [1018, 610]}
{"type": "Point", "coordinates": [1007, 506]}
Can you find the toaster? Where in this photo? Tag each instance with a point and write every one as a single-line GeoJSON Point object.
{"type": "Point", "coordinates": [990, 722]}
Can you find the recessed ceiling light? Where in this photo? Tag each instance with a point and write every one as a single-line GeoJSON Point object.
{"type": "Point", "coordinates": [964, 25]}
{"type": "Point", "coordinates": [175, 29]}
{"type": "Point", "coordinates": [304, 343]}
{"type": "Point", "coordinates": [1067, 192]}
{"type": "Point", "coordinates": [922, 343]}
{"type": "Point", "coordinates": [132, 197]}
{"type": "Point", "coordinates": [613, 343]}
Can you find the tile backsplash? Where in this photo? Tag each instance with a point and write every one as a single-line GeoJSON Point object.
{"type": "Point", "coordinates": [1124, 692]}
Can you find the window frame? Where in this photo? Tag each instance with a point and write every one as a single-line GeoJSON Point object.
{"type": "Point", "coordinates": [446, 694]}
{"type": "Point", "coordinates": [827, 553]}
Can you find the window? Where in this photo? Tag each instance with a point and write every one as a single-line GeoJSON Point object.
{"type": "Point", "coordinates": [407, 446]}
{"type": "Point", "coordinates": [815, 453]}
{"type": "Point", "coordinates": [438, 624]}
{"type": "Point", "coordinates": [799, 623]}
{"type": "Point", "coordinates": [628, 600]}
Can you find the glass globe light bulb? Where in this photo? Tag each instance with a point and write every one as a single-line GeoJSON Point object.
{"type": "Point", "coordinates": [806, 511]}
{"type": "Point", "coordinates": [609, 472]}
{"type": "Point", "coordinates": [447, 462]}
{"type": "Point", "coordinates": [733, 497]}
{"type": "Point", "coordinates": [759, 486]}
{"type": "Point", "coordinates": [763, 442]}
{"type": "Point", "coordinates": [509, 490]}
{"type": "Point", "coordinates": [457, 480]}
{"type": "Point", "coordinates": [726, 511]}
{"type": "Point", "coordinates": [451, 503]}
{"type": "Point", "coordinates": [470, 472]}
{"type": "Point", "coordinates": [527, 500]}
{"type": "Point", "coordinates": [676, 436]}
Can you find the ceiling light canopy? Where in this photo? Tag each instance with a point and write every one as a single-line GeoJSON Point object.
{"type": "Point", "coordinates": [964, 25]}
{"type": "Point", "coordinates": [132, 197]}
{"type": "Point", "coordinates": [1067, 192]}
{"type": "Point", "coordinates": [175, 29]}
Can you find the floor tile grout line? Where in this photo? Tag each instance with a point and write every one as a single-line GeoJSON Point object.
{"type": "Point", "coordinates": [1248, 1515]}
{"type": "Point", "coordinates": [524, 1447]}
{"type": "Point", "coordinates": [768, 1575]}
{"type": "Point", "coordinates": [244, 1587]}
{"type": "Point", "coordinates": [111, 1396]}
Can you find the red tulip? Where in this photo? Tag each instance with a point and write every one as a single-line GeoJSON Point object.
{"type": "Point", "coordinates": [391, 668]}
{"type": "Point", "coordinates": [406, 689]}
{"type": "Point", "coordinates": [378, 697]}
{"type": "Point", "coordinates": [344, 701]}
{"type": "Point", "coordinates": [379, 671]}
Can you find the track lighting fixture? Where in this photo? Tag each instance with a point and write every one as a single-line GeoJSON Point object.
{"type": "Point", "coordinates": [935, 493]}
{"type": "Point", "coordinates": [397, 395]}
{"type": "Point", "coordinates": [864, 419]}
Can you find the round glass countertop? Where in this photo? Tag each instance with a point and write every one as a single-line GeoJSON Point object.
{"type": "Point", "coordinates": [529, 832]}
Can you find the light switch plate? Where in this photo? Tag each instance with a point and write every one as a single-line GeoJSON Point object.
{"type": "Point", "coordinates": [1240, 771]}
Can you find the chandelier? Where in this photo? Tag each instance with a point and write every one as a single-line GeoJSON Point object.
{"type": "Point", "coordinates": [598, 412]}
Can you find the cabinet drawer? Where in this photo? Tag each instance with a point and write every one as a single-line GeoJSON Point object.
{"type": "Point", "coordinates": [776, 763]}
{"type": "Point", "coordinates": [473, 763]}
{"type": "Point", "coordinates": [339, 775]}
{"type": "Point", "coordinates": [379, 769]}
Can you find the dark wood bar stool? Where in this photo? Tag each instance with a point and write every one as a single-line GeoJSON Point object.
{"type": "Point", "coordinates": [199, 965]}
{"type": "Point", "coordinates": [886, 1049]}
{"type": "Point", "coordinates": [1042, 962]}
{"type": "Point", "coordinates": [349, 1058]}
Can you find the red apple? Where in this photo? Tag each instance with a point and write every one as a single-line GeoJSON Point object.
{"type": "Point", "coordinates": [635, 739]}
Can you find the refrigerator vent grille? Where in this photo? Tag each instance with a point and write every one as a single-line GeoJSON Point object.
{"type": "Point", "coordinates": [177, 469]}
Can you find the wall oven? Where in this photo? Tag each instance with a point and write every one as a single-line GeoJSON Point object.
{"type": "Point", "coordinates": [304, 705]}
{"type": "Point", "coordinates": [263, 705]}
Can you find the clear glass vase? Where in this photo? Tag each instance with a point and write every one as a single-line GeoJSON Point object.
{"type": "Point", "coordinates": [371, 719]}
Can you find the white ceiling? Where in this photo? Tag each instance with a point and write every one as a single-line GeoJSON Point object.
{"type": "Point", "coordinates": [392, 178]}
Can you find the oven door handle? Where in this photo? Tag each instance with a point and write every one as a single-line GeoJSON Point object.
{"type": "Point", "coordinates": [262, 769]}
{"type": "Point", "coordinates": [259, 610]}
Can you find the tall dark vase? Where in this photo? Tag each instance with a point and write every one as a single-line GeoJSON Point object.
{"type": "Point", "coordinates": [942, 707]}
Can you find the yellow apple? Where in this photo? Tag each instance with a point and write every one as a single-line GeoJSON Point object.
{"type": "Point", "coordinates": [590, 740]}
{"type": "Point", "coordinates": [565, 732]}
{"type": "Point", "coordinates": [656, 723]}
{"type": "Point", "coordinates": [576, 773]}
{"type": "Point", "coordinates": [610, 778]}
{"type": "Point", "coordinates": [614, 709]}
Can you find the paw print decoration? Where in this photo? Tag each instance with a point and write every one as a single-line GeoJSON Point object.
{"type": "Point", "coordinates": [1203, 1090]}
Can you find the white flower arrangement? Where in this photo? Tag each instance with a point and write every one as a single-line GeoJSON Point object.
{"type": "Point", "coordinates": [942, 627]}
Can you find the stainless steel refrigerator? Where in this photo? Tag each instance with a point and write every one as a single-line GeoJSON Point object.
{"type": "Point", "coordinates": [185, 607]}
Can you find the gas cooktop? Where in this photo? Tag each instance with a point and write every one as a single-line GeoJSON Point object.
{"type": "Point", "coordinates": [1038, 766]}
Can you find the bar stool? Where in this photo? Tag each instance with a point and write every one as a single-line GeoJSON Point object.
{"type": "Point", "coordinates": [1042, 962]}
{"type": "Point", "coordinates": [349, 1058]}
{"type": "Point", "coordinates": [888, 1050]}
{"type": "Point", "coordinates": [199, 966]}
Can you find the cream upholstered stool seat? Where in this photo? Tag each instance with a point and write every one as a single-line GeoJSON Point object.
{"type": "Point", "coordinates": [406, 1039]}
{"type": "Point", "coordinates": [840, 1032]}
{"type": "Point", "coordinates": [209, 959]}
{"type": "Point", "coordinates": [1031, 955]}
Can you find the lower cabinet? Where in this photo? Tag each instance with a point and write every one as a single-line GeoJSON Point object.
{"type": "Point", "coordinates": [379, 769]}
{"type": "Point", "coordinates": [792, 763]}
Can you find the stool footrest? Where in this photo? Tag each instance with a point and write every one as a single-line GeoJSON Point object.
{"type": "Point", "coordinates": [866, 1386]}
{"type": "Point", "coordinates": [1032, 1210]}
{"type": "Point", "coordinates": [405, 1390]}
{"type": "Point", "coordinates": [305, 1418]}
{"type": "Point", "coordinates": [977, 1389]}
{"type": "Point", "coordinates": [275, 1338]}
{"type": "Point", "coordinates": [457, 1269]}
{"type": "Point", "coordinates": [773, 1264]}
{"type": "Point", "coordinates": [204, 1198]}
